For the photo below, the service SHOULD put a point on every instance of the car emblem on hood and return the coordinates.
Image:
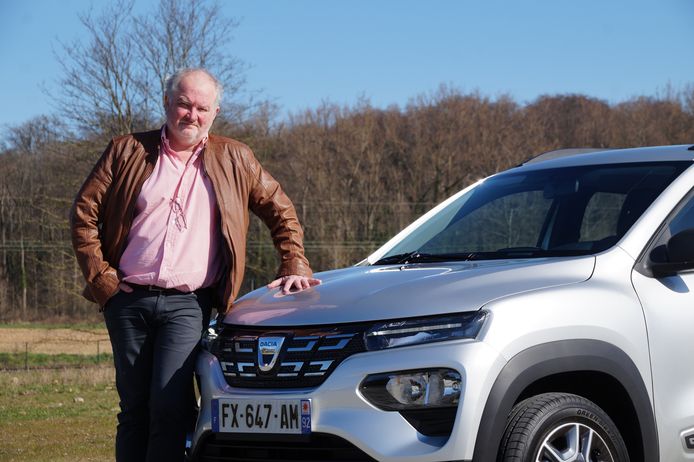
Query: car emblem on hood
(268, 351)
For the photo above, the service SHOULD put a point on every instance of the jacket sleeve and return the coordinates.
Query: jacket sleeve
(273, 206)
(85, 221)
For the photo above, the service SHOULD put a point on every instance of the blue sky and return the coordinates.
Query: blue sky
(303, 52)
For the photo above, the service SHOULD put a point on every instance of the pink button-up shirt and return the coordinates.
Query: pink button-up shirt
(174, 241)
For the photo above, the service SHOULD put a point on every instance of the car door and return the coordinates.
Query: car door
(668, 304)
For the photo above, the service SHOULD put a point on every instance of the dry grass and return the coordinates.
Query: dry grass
(91, 377)
(81, 341)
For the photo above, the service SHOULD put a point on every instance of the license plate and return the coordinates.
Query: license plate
(288, 416)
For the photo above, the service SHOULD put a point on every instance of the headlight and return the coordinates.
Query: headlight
(427, 388)
(426, 398)
(407, 332)
(209, 337)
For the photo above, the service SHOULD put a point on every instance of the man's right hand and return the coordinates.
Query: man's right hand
(125, 287)
(294, 283)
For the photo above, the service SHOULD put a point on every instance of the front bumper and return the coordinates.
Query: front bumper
(339, 409)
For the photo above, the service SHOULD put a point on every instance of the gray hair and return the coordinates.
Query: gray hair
(173, 81)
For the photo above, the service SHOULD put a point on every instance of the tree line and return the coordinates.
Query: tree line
(356, 174)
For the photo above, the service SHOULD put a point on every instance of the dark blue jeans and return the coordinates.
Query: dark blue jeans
(155, 338)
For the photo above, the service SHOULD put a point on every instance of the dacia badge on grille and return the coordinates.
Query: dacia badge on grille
(268, 351)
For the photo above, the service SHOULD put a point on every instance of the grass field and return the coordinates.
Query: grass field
(58, 415)
(51, 415)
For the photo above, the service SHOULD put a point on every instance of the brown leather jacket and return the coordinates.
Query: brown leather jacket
(103, 211)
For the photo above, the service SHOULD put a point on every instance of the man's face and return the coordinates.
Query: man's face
(190, 111)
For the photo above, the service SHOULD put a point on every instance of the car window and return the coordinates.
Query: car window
(540, 213)
(514, 220)
(684, 218)
(601, 216)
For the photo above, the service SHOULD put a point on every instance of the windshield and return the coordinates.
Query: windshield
(540, 213)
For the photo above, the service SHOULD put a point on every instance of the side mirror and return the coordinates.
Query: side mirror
(679, 252)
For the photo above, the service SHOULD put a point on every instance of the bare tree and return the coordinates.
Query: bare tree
(99, 90)
(112, 83)
(688, 99)
(35, 134)
(185, 34)
(357, 174)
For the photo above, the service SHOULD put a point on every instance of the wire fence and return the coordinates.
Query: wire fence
(54, 353)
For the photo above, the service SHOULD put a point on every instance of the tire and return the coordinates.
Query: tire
(560, 427)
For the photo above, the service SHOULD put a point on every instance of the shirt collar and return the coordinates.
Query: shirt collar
(166, 147)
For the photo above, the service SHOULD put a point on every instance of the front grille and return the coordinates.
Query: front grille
(320, 447)
(307, 356)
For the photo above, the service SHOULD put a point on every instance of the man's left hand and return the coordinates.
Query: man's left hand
(293, 283)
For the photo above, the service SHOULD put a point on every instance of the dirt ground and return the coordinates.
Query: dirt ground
(53, 341)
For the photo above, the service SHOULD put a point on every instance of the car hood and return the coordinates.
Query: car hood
(369, 293)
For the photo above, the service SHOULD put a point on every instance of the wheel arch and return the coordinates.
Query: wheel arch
(555, 366)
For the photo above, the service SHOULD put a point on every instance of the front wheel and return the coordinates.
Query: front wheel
(560, 427)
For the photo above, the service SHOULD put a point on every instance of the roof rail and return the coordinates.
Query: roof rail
(557, 153)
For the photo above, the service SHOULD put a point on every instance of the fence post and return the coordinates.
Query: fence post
(26, 356)
(98, 351)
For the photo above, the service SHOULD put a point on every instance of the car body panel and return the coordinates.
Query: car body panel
(672, 343)
(372, 293)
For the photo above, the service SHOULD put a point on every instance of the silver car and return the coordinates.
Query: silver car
(544, 313)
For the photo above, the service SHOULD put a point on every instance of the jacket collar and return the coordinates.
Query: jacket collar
(150, 141)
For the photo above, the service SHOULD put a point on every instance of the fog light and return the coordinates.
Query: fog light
(404, 390)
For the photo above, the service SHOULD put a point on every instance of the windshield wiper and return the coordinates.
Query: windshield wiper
(394, 259)
(500, 254)
(420, 257)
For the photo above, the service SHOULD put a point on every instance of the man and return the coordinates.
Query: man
(159, 229)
